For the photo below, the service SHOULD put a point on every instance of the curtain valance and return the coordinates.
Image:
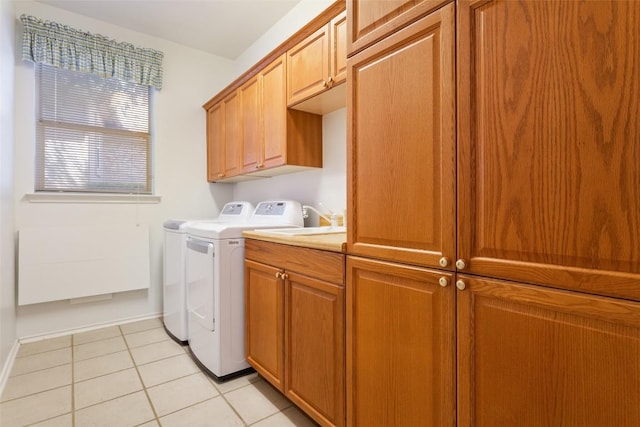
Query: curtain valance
(70, 49)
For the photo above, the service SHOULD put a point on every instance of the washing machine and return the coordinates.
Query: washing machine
(174, 273)
(215, 287)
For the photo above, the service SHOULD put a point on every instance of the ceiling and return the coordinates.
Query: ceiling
(222, 27)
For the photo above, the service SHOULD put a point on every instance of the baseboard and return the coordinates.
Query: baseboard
(33, 338)
(8, 364)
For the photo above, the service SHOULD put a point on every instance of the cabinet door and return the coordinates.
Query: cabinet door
(549, 143)
(533, 356)
(251, 125)
(274, 113)
(315, 348)
(215, 142)
(232, 135)
(264, 311)
(308, 66)
(400, 345)
(401, 145)
(372, 20)
(338, 48)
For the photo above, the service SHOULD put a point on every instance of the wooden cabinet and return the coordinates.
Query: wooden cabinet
(224, 137)
(519, 174)
(549, 143)
(400, 345)
(315, 347)
(264, 321)
(370, 21)
(261, 134)
(401, 145)
(318, 64)
(264, 119)
(295, 333)
(534, 356)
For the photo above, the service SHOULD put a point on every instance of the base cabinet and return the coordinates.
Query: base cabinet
(295, 325)
(533, 356)
(400, 345)
(264, 321)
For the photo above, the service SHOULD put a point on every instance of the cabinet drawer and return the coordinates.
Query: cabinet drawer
(323, 265)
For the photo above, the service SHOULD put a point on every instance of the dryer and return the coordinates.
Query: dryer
(174, 302)
(215, 286)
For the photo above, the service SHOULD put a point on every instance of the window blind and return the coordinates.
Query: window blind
(93, 134)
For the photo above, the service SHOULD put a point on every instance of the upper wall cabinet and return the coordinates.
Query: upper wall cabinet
(250, 131)
(259, 137)
(370, 21)
(224, 138)
(317, 66)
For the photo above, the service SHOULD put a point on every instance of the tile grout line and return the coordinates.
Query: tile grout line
(144, 386)
(73, 383)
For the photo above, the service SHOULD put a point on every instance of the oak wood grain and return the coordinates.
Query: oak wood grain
(315, 347)
(401, 145)
(549, 143)
(400, 345)
(372, 20)
(328, 266)
(533, 356)
(264, 321)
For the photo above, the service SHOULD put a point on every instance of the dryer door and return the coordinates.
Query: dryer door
(200, 280)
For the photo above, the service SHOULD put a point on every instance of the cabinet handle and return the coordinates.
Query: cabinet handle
(220, 175)
(444, 262)
(461, 264)
(443, 282)
(461, 285)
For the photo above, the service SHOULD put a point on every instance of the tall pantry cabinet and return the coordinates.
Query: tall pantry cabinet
(507, 189)
(401, 139)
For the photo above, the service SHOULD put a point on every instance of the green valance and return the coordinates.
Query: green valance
(70, 49)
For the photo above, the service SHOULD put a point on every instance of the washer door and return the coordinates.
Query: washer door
(200, 280)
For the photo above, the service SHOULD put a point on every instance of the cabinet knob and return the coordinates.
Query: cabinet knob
(444, 262)
(330, 80)
(278, 275)
(461, 264)
(220, 175)
(284, 276)
(443, 282)
(461, 285)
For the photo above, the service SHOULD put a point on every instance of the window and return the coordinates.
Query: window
(93, 133)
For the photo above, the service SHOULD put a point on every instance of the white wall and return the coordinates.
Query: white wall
(298, 17)
(327, 185)
(7, 241)
(191, 77)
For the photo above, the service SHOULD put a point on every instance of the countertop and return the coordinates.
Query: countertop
(336, 242)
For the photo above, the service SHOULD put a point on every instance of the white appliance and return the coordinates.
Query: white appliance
(174, 272)
(215, 286)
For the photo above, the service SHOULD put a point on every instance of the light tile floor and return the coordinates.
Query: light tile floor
(132, 375)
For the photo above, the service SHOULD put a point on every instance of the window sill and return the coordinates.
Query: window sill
(91, 198)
